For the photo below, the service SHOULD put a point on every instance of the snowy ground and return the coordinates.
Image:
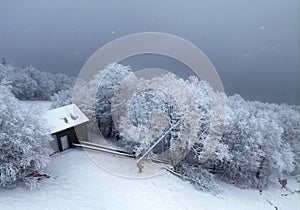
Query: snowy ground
(78, 183)
(40, 106)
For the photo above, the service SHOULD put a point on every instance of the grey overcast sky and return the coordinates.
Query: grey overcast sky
(253, 44)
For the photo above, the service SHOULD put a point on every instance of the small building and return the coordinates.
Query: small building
(68, 125)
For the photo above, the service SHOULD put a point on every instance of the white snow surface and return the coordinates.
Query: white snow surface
(65, 117)
(40, 106)
(77, 182)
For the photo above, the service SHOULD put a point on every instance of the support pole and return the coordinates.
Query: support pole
(168, 131)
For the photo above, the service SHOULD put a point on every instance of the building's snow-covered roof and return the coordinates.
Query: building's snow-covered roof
(65, 117)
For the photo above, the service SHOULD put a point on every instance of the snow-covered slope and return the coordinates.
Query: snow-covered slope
(78, 183)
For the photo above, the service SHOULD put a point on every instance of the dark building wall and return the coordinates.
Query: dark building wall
(74, 134)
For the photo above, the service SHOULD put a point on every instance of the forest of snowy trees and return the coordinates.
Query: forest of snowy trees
(24, 138)
(258, 142)
(24, 142)
(28, 83)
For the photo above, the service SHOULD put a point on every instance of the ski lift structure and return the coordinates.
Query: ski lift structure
(68, 126)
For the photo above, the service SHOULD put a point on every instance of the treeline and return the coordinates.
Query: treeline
(28, 83)
(257, 144)
(24, 136)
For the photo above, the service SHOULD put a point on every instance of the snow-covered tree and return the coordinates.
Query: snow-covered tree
(45, 82)
(211, 107)
(287, 118)
(94, 97)
(145, 109)
(62, 98)
(22, 85)
(63, 82)
(29, 83)
(84, 97)
(247, 145)
(4, 71)
(254, 140)
(24, 142)
(111, 78)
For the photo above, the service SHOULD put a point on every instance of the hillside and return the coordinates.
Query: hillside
(78, 183)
